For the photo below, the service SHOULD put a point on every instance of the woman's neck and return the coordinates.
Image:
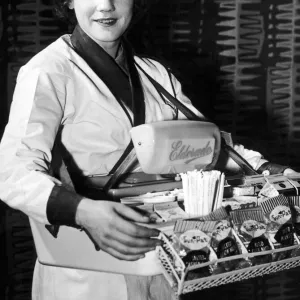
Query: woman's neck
(111, 48)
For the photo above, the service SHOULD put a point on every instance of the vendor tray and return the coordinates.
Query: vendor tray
(177, 279)
(72, 248)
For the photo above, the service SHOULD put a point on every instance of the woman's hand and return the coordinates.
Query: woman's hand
(291, 174)
(112, 227)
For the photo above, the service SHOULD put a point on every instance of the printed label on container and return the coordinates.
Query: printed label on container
(194, 239)
(221, 230)
(196, 257)
(280, 214)
(227, 247)
(253, 228)
(284, 235)
(259, 244)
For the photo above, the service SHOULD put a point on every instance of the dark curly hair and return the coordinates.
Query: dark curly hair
(63, 13)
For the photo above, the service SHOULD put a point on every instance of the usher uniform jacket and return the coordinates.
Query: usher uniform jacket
(59, 96)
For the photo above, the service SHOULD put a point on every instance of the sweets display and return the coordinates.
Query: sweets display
(240, 202)
(192, 240)
(251, 228)
(294, 202)
(225, 244)
(280, 229)
(202, 241)
(169, 211)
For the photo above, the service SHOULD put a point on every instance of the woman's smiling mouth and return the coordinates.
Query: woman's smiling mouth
(107, 21)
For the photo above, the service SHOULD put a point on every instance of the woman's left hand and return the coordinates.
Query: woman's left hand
(291, 174)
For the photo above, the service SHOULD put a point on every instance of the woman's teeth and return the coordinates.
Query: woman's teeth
(107, 21)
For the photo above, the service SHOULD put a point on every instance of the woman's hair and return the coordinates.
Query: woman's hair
(67, 15)
(63, 13)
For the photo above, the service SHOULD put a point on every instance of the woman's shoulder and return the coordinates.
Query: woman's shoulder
(55, 58)
(153, 65)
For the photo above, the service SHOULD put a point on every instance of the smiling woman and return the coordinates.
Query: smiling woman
(104, 21)
(83, 93)
(76, 102)
(63, 11)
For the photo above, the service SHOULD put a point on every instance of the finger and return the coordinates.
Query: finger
(292, 175)
(121, 256)
(131, 241)
(132, 214)
(140, 210)
(153, 217)
(125, 250)
(134, 230)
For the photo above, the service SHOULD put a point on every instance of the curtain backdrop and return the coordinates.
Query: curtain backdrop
(239, 62)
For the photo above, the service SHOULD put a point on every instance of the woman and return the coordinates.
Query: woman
(84, 93)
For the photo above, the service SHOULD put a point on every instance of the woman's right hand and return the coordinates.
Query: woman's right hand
(112, 226)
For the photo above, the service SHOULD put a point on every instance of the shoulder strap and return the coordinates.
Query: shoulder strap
(127, 160)
(186, 111)
(246, 167)
(129, 156)
(124, 88)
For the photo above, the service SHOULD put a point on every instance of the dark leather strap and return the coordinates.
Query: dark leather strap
(187, 112)
(137, 94)
(128, 159)
(129, 156)
(246, 167)
(126, 88)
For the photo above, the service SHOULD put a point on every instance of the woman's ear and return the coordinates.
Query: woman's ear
(71, 4)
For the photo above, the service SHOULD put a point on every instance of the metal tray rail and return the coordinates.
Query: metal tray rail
(175, 273)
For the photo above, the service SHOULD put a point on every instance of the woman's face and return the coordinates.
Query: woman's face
(103, 20)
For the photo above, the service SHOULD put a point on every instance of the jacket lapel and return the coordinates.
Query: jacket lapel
(126, 88)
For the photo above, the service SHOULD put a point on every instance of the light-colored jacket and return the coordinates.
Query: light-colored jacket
(57, 89)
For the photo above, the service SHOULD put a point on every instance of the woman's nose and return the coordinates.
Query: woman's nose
(105, 5)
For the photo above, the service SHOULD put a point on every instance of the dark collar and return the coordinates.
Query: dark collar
(124, 85)
(95, 53)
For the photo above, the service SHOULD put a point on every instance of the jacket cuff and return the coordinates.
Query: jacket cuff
(62, 206)
(272, 168)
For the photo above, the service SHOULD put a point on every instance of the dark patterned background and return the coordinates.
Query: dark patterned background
(239, 62)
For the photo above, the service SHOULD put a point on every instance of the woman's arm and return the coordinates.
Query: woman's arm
(25, 151)
(25, 184)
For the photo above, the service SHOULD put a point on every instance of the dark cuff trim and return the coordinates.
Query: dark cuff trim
(62, 206)
(272, 168)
